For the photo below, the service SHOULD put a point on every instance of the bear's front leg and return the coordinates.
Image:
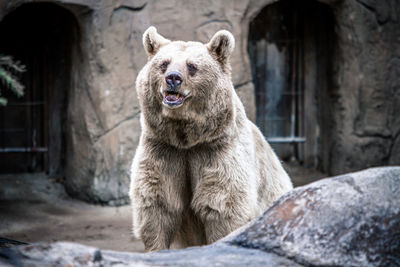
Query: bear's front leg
(157, 205)
(154, 223)
(223, 204)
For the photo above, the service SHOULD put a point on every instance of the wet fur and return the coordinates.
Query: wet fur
(201, 170)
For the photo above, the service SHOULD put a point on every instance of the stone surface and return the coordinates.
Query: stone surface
(71, 254)
(349, 220)
(103, 112)
(366, 95)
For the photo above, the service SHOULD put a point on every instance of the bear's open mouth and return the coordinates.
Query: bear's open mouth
(172, 98)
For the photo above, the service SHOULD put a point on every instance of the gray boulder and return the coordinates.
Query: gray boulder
(348, 220)
(62, 254)
(352, 219)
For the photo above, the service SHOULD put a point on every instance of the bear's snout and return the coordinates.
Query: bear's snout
(174, 79)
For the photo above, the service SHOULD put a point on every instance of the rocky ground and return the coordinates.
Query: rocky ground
(35, 208)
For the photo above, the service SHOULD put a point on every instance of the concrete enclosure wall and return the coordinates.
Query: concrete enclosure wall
(102, 123)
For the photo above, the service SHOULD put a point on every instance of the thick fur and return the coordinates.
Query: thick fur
(203, 169)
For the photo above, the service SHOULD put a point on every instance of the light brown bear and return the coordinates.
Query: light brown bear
(201, 169)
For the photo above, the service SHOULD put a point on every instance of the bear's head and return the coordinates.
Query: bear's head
(185, 89)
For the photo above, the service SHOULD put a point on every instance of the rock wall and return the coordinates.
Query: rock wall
(366, 94)
(103, 112)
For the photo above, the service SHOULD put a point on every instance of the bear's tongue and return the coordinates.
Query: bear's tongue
(171, 97)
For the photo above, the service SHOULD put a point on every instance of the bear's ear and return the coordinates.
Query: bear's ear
(152, 41)
(221, 45)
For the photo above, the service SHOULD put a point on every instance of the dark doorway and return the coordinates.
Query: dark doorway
(290, 47)
(42, 37)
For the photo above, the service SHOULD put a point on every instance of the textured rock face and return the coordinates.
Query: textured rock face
(349, 220)
(366, 92)
(70, 254)
(102, 130)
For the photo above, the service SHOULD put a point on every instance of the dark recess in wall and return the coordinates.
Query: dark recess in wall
(41, 36)
(291, 47)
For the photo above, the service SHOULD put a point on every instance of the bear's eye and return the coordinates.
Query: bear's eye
(164, 65)
(191, 68)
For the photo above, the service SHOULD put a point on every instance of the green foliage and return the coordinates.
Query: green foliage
(8, 69)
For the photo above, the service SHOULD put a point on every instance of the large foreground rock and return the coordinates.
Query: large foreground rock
(71, 254)
(353, 219)
(348, 220)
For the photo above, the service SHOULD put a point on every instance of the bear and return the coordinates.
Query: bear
(201, 169)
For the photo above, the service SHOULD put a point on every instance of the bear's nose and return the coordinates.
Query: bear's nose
(174, 79)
